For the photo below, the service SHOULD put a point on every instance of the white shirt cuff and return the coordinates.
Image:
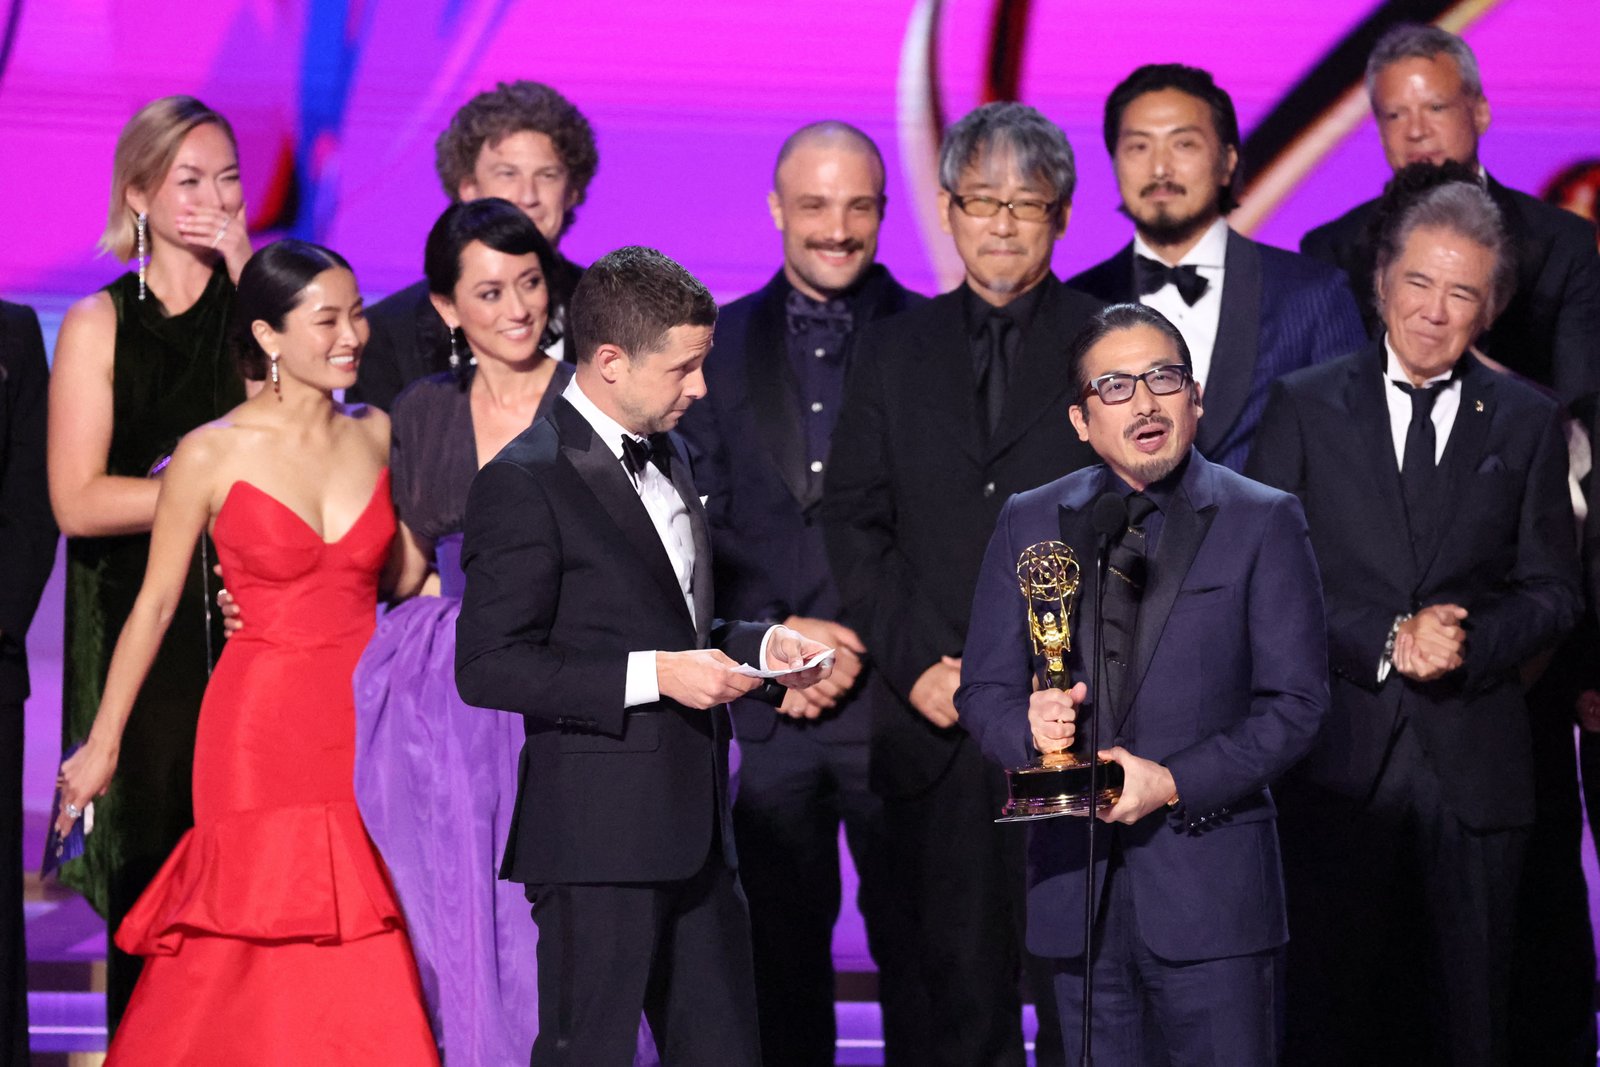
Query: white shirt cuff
(765, 639)
(642, 686)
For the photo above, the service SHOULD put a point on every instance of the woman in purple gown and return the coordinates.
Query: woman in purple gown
(435, 779)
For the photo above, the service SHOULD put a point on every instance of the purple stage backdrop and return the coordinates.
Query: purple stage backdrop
(337, 103)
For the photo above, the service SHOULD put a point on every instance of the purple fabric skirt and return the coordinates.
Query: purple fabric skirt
(436, 782)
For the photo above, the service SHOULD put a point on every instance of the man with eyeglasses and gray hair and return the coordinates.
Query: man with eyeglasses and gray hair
(949, 409)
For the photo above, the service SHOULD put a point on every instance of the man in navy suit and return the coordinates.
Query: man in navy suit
(761, 441)
(1216, 682)
(1248, 312)
(1441, 521)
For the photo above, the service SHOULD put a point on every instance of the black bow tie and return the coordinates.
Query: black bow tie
(803, 313)
(1152, 274)
(656, 449)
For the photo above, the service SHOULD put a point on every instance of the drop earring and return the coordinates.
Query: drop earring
(455, 352)
(277, 387)
(143, 250)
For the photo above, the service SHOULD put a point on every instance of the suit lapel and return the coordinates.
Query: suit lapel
(1373, 438)
(603, 473)
(1077, 533)
(774, 393)
(700, 583)
(1040, 379)
(1233, 358)
(1183, 530)
(1462, 452)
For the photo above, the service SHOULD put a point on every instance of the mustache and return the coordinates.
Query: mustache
(1164, 187)
(1134, 428)
(847, 246)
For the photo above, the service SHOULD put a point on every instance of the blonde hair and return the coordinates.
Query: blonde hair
(145, 150)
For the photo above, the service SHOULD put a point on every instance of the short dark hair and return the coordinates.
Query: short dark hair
(1191, 81)
(1443, 196)
(271, 285)
(632, 298)
(1112, 319)
(1039, 147)
(492, 221)
(510, 108)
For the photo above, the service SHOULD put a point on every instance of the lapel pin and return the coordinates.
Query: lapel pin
(1477, 405)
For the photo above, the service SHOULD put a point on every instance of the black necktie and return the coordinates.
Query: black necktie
(1417, 466)
(993, 367)
(1126, 569)
(1151, 275)
(656, 449)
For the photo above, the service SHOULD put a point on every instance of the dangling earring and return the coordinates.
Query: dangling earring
(144, 259)
(455, 352)
(277, 387)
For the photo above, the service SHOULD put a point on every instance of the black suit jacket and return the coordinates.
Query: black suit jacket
(410, 341)
(912, 493)
(1550, 332)
(566, 575)
(1280, 312)
(1506, 554)
(27, 527)
(747, 438)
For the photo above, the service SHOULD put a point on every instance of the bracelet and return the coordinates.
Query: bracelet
(1386, 662)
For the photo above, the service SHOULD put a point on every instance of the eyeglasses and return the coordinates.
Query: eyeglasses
(987, 207)
(1119, 388)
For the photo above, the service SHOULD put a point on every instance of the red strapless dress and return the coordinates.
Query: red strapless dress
(272, 935)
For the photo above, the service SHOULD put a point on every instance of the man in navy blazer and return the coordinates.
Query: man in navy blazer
(761, 440)
(1223, 687)
(1439, 511)
(1248, 312)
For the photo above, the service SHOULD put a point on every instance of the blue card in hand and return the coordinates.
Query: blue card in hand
(58, 849)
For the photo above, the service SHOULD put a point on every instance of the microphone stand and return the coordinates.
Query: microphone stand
(1110, 514)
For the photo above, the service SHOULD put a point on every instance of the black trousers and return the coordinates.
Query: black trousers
(1400, 924)
(1553, 964)
(795, 789)
(678, 951)
(964, 876)
(13, 947)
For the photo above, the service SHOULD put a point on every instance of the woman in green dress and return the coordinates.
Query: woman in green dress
(139, 364)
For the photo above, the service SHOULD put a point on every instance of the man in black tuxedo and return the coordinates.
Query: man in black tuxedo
(1428, 100)
(523, 142)
(1427, 97)
(1437, 498)
(950, 408)
(588, 609)
(1249, 313)
(27, 552)
(760, 442)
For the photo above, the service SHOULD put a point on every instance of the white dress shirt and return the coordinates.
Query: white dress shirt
(668, 514)
(1444, 411)
(1198, 324)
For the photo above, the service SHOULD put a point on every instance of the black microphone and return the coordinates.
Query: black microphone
(1108, 516)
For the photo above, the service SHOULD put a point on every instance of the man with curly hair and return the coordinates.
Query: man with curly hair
(521, 141)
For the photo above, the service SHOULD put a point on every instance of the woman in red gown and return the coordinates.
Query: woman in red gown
(271, 935)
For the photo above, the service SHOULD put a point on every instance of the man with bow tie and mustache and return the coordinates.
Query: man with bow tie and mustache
(761, 439)
(1248, 312)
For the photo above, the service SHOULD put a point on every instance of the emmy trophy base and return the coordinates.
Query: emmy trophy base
(1050, 787)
